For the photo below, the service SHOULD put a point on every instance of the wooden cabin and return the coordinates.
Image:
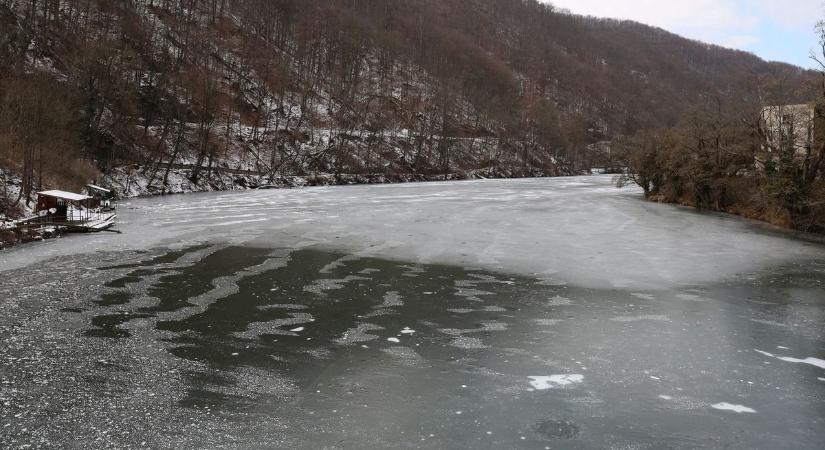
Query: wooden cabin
(64, 206)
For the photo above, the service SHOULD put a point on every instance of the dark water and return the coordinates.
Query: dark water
(235, 346)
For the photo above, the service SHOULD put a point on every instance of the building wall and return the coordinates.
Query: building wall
(790, 125)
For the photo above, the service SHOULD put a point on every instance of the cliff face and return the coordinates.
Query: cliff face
(305, 87)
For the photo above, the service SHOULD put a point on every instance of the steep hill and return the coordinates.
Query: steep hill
(167, 95)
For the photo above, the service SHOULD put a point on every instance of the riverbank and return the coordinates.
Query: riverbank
(139, 181)
(773, 216)
(11, 236)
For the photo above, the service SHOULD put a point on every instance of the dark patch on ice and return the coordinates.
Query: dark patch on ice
(557, 429)
(114, 298)
(108, 326)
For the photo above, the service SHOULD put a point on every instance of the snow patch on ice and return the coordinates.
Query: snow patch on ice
(321, 286)
(494, 308)
(467, 343)
(810, 360)
(359, 334)
(553, 381)
(559, 301)
(739, 409)
(691, 297)
(274, 327)
(547, 322)
(641, 318)
(392, 299)
(406, 356)
(282, 306)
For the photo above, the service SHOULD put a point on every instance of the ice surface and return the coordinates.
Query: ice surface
(467, 343)
(553, 381)
(359, 334)
(739, 409)
(577, 230)
(392, 299)
(559, 301)
(406, 356)
(547, 322)
(810, 360)
(654, 317)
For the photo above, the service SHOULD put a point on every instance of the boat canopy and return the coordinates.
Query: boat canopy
(98, 188)
(63, 195)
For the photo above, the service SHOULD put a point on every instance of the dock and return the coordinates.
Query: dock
(95, 224)
(71, 213)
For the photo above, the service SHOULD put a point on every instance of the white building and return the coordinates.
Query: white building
(789, 128)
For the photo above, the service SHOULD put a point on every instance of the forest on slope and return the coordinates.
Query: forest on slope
(141, 89)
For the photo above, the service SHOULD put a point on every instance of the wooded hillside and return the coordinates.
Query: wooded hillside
(299, 87)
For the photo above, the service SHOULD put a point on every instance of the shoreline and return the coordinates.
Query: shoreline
(12, 237)
(767, 221)
(133, 181)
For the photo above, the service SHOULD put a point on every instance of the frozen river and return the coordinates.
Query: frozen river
(543, 313)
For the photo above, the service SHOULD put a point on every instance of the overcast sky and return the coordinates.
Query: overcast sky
(777, 30)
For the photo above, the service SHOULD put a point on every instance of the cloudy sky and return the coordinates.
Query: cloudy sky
(777, 30)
